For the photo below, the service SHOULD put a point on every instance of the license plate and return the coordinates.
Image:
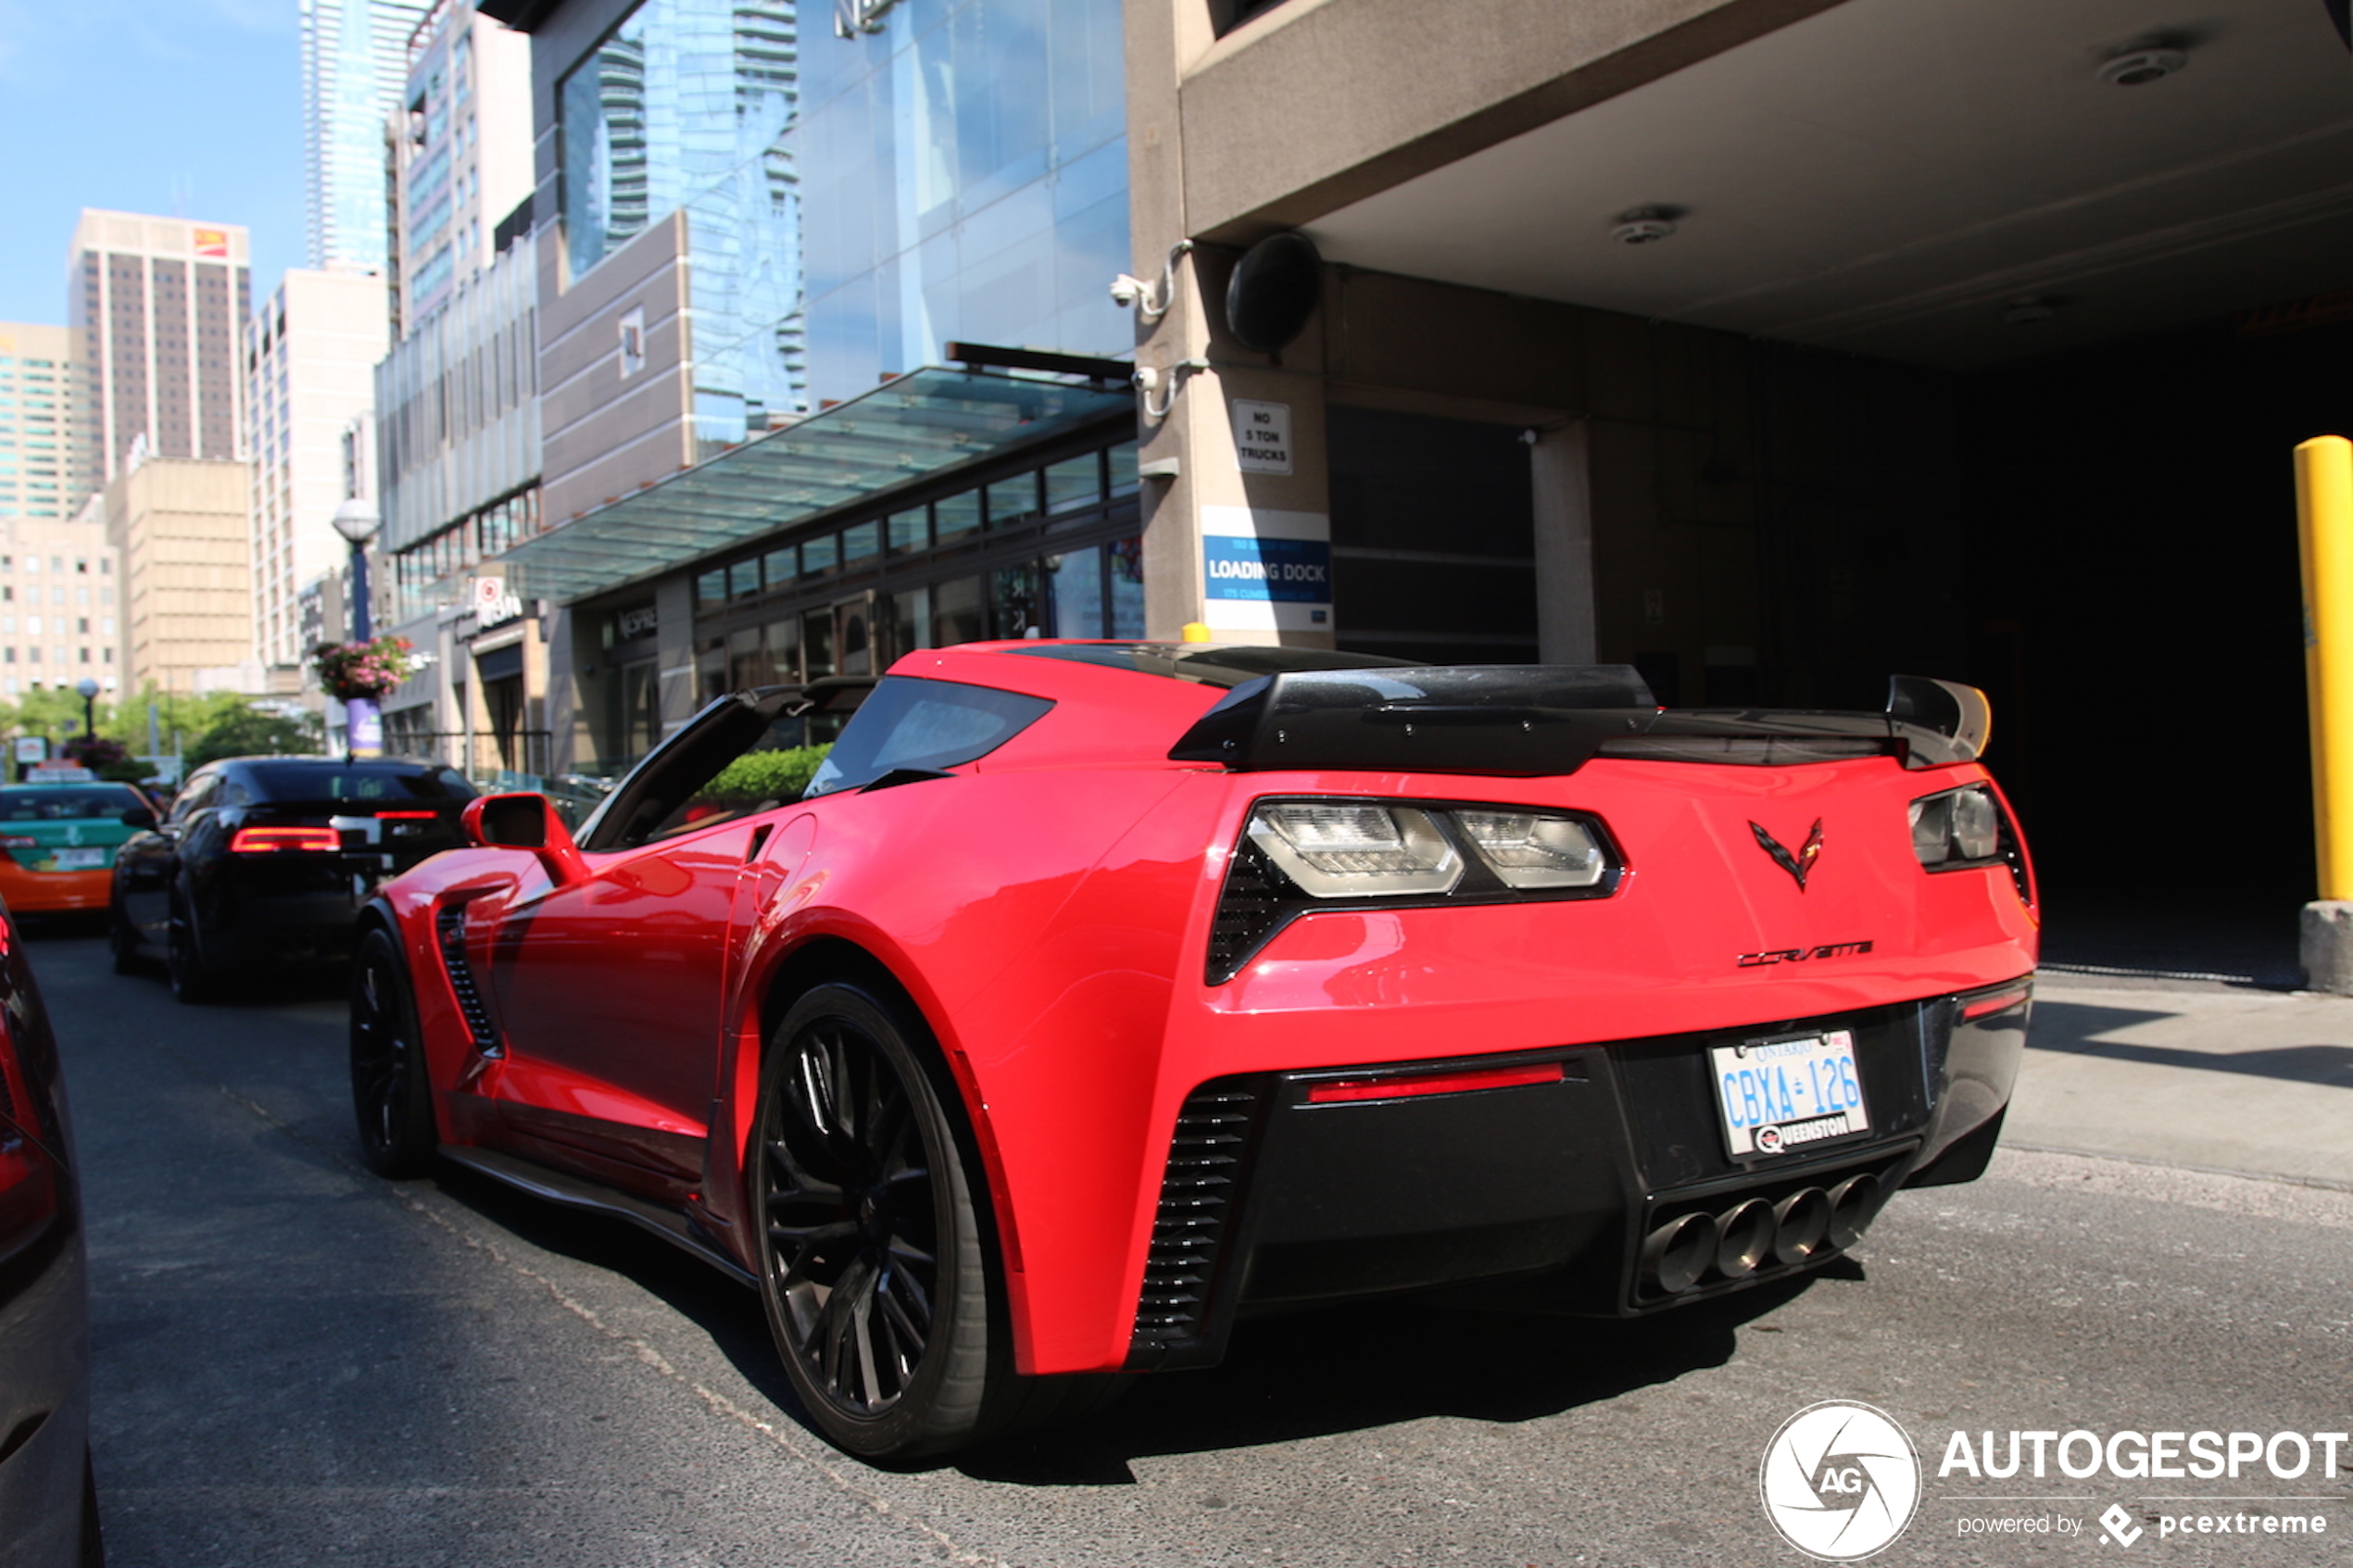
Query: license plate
(1779, 1096)
(79, 860)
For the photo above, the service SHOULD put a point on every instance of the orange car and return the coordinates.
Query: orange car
(59, 842)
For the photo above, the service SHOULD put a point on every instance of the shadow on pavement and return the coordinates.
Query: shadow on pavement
(1304, 1375)
(2073, 1028)
(1349, 1369)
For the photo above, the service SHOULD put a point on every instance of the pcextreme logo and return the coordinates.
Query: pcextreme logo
(1840, 1481)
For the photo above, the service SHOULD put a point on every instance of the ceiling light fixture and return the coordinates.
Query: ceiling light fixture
(2137, 68)
(1644, 225)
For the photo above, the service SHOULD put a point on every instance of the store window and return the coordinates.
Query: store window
(1012, 499)
(956, 614)
(956, 518)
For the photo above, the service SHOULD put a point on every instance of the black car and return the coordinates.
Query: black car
(48, 1506)
(267, 860)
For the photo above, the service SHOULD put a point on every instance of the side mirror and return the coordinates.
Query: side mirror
(525, 821)
(139, 817)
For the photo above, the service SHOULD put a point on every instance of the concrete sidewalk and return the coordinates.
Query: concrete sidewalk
(2178, 1070)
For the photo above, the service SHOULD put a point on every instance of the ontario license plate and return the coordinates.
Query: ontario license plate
(79, 860)
(1777, 1096)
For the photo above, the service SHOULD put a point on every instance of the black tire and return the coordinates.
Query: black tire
(391, 1096)
(193, 979)
(123, 941)
(875, 1268)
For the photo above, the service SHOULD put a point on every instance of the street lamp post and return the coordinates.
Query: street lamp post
(356, 520)
(89, 690)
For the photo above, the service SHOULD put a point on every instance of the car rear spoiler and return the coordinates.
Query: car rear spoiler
(1533, 719)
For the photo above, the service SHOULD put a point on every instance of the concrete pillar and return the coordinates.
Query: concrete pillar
(1218, 513)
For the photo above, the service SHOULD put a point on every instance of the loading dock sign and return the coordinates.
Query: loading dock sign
(1261, 436)
(1286, 571)
(1266, 570)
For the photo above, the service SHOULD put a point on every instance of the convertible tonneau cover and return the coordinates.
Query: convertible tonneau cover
(1530, 719)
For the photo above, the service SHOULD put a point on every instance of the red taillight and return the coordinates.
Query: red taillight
(405, 816)
(270, 841)
(28, 1188)
(1999, 1002)
(1404, 1083)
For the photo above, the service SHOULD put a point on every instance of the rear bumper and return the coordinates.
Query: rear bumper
(280, 927)
(1569, 1185)
(30, 892)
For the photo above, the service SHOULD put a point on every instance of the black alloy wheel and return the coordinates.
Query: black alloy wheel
(192, 978)
(872, 1265)
(390, 1095)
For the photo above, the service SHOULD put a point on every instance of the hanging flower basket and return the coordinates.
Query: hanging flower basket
(353, 671)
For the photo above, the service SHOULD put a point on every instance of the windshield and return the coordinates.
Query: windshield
(39, 805)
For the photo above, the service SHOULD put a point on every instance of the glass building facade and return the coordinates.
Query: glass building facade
(853, 204)
(354, 58)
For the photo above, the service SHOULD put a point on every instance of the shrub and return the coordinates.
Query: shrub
(765, 775)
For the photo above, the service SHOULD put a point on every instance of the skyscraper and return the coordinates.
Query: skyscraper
(354, 59)
(44, 449)
(156, 303)
(311, 351)
(461, 153)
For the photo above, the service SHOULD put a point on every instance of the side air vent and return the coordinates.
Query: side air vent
(1207, 1156)
(1249, 907)
(449, 931)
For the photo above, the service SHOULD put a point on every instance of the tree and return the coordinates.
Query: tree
(248, 731)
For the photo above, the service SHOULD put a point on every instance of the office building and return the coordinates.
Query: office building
(310, 353)
(58, 609)
(180, 528)
(44, 453)
(355, 61)
(458, 438)
(1769, 347)
(156, 306)
(460, 155)
(756, 237)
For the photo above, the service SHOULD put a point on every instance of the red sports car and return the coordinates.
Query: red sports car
(1094, 996)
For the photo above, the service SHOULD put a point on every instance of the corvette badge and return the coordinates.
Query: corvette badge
(1797, 865)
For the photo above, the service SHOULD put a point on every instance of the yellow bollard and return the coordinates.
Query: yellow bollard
(2324, 522)
(1197, 632)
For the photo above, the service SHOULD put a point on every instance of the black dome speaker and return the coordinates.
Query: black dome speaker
(1272, 291)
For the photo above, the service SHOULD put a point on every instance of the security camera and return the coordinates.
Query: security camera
(1125, 291)
(1147, 378)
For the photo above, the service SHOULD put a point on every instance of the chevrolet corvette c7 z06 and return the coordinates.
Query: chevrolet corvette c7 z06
(1092, 997)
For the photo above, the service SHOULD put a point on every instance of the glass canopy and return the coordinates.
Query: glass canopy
(924, 422)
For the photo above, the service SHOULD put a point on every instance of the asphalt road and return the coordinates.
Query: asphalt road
(300, 1364)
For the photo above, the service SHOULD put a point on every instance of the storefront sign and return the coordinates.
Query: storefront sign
(1266, 570)
(1261, 436)
(638, 620)
(1292, 571)
(493, 604)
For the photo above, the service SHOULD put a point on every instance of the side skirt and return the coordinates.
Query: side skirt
(576, 1192)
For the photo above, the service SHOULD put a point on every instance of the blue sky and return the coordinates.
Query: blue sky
(176, 106)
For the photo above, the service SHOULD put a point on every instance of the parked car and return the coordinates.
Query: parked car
(60, 841)
(48, 1501)
(1096, 995)
(267, 860)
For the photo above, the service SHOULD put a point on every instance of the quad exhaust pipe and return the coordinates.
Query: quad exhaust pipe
(1801, 1227)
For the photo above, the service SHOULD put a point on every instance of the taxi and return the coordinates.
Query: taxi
(58, 838)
